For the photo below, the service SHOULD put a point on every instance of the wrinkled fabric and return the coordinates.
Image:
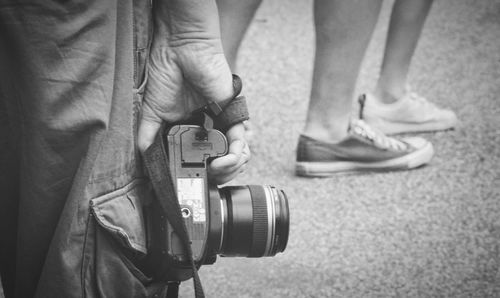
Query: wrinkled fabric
(71, 77)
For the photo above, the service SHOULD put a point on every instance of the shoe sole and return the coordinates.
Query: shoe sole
(392, 128)
(406, 162)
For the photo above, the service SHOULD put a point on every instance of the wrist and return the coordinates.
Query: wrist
(225, 92)
(186, 20)
(217, 106)
(230, 112)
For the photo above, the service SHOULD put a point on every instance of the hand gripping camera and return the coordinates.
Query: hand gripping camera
(232, 221)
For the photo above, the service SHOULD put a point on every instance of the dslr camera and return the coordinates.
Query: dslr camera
(231, 221)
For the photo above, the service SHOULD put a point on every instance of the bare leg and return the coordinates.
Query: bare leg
(407, 20)
(235, 17)
(343, 31)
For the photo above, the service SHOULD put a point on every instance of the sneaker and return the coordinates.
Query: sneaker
(365, 149)
(412, 113)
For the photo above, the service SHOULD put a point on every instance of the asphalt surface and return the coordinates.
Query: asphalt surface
(430, 232)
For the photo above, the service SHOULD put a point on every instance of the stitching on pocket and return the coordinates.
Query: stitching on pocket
(121, 214)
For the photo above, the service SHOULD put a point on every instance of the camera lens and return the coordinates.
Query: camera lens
(255, 221)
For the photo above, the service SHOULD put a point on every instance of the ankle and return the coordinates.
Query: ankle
(328, 133)
(388, 95)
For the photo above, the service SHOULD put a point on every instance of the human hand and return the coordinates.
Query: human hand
(187, 67)
(227, 167)
(180, 81)
(158, 109)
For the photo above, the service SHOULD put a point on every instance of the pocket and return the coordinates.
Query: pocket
(116, 244)
(121, 214)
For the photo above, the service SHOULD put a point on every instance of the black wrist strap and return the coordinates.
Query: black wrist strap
(215, 108)
(231, 111)
(157, 167)
(235, 112)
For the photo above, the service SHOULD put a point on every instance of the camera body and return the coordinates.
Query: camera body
(246, 220)
(190, 148)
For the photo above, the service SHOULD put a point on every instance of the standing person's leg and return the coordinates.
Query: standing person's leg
(343, 31)
(332, 140)
(408, 112)
(235, 17)
(407, 20)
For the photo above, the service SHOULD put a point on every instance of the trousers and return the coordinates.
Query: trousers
(72, 188)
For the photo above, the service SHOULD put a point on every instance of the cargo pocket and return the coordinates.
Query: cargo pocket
(116, 245)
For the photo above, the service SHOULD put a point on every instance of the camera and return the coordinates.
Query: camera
(231, 221)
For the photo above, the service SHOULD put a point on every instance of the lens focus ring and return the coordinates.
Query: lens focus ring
(257, 221)
(260, 221)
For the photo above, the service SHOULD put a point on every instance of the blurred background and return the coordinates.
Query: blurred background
(430, 232)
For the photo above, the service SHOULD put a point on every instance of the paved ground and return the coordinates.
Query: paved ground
(434, 231)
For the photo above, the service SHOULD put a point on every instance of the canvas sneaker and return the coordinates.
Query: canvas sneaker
(365, 149)
(412, 113)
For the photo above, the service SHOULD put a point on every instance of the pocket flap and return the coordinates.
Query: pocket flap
(121, 213)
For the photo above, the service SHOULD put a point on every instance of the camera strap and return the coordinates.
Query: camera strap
(157, 167)
(230, 111)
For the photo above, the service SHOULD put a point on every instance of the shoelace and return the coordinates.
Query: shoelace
(364, 130)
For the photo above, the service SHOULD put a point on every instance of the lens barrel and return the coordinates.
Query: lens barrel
(255, 221)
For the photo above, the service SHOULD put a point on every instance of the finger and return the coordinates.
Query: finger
(231, 164)
(236, 148)
(232, 158)
(217, 171)
(147, 133)
(236, 132)
(228, 176)
(246, 152)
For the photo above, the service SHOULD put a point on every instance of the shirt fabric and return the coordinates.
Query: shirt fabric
(71, 183)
